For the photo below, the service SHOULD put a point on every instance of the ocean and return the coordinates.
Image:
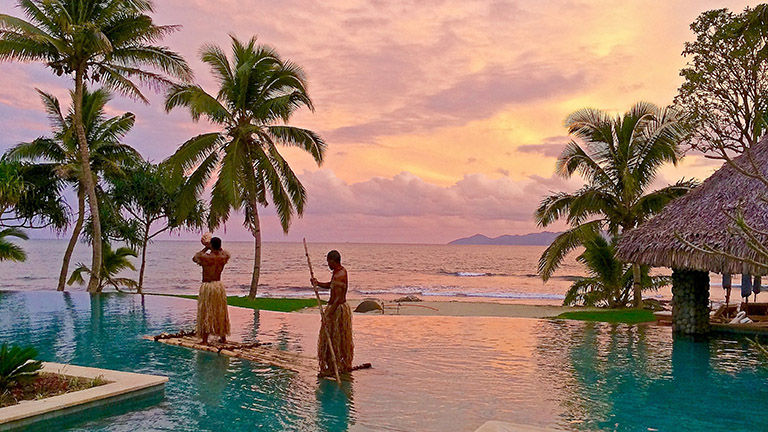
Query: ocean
(387, 271)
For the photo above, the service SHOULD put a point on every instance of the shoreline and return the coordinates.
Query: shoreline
(457, 308)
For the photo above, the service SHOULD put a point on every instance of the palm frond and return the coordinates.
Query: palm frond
(304, 139)
(566, 242)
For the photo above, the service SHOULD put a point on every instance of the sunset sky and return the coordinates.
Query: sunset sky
(443, 118)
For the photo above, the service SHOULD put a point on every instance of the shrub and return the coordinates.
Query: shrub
(17, 364)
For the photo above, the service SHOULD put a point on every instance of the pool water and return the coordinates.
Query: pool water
(430, 373)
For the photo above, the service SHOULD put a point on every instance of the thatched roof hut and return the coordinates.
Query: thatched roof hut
(701, 218)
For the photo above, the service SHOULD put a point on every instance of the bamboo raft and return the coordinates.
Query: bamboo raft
(256, 352)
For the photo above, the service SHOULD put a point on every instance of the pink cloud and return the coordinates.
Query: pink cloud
(386, 70)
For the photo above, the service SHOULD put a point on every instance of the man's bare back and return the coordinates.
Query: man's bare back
(213, 262)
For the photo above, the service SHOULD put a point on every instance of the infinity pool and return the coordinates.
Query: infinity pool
(430, 373)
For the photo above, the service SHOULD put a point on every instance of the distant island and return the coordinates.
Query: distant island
(533, 239)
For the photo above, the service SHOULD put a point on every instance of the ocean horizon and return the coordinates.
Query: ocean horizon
(493, 273)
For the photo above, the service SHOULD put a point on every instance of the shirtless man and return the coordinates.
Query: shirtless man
(337, 320)
(212, 314)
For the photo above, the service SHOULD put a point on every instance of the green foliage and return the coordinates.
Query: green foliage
(271, 304)
(258, 92)
(609, 283)
(116, 227)
(108, 155)
(108, 41)
(30, 196)
(724, 95)
(618, 157)
(10, 251)
(12, 186)
(17, 364)
(150, 193)
(113, 262)
(754, 29)
(627, 316)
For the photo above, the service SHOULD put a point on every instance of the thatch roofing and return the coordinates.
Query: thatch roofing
(701, 218)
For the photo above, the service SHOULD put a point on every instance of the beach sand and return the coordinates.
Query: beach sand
(464, 309)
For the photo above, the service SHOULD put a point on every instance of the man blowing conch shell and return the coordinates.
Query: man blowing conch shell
(212, 314)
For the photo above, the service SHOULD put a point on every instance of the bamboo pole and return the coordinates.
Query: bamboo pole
(322, 316)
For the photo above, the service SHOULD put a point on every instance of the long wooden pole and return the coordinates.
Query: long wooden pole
(322, 316)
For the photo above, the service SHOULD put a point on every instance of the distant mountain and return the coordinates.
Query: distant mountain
(533, 239)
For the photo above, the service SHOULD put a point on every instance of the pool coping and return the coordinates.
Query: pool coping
(120, 386)
(499, 426)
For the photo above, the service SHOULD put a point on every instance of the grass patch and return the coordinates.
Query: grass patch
(627, 316)
(270, 304)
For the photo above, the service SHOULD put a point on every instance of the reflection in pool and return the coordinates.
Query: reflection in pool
(430, 373)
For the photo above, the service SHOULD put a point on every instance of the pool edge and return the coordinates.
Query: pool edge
(121, 386)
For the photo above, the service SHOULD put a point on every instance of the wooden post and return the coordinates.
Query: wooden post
(322, 317)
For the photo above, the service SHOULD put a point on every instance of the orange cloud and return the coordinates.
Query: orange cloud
(448, 91)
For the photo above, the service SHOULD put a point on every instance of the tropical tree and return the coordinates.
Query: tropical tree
(10, 251)
(724, 94)
(618, 157)
(60, 152)
(29, 198)
(112, 41)
(258, 93)
(114, 262)
(610, 281)
(150, 194)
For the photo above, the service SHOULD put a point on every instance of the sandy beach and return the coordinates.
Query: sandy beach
(464, 309)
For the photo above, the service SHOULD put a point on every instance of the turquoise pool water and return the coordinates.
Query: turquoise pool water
(431, 373)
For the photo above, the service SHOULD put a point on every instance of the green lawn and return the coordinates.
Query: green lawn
(628, 316)
(271, 304)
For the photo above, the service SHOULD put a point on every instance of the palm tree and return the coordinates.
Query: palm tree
(8, 250)
(258, 93)
(60, 152)
(97, 40)
(618, 157)
(610, 282)
(114, 262)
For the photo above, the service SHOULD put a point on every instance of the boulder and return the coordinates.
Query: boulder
(368, 306)
(408, 298)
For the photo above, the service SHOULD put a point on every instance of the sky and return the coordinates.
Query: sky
(443, 118)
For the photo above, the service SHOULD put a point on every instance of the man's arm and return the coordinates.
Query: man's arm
(198, 258)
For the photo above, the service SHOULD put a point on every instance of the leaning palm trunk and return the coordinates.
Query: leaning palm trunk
(637, 285)
(256, 231)
(87, 181)
(73, 240)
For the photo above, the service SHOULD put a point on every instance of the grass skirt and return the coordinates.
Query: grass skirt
(339, 326)
(212, 314)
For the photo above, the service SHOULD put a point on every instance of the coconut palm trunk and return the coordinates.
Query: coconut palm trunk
(73, 240)
(637, 285)
(256, 231)
(87, 181)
